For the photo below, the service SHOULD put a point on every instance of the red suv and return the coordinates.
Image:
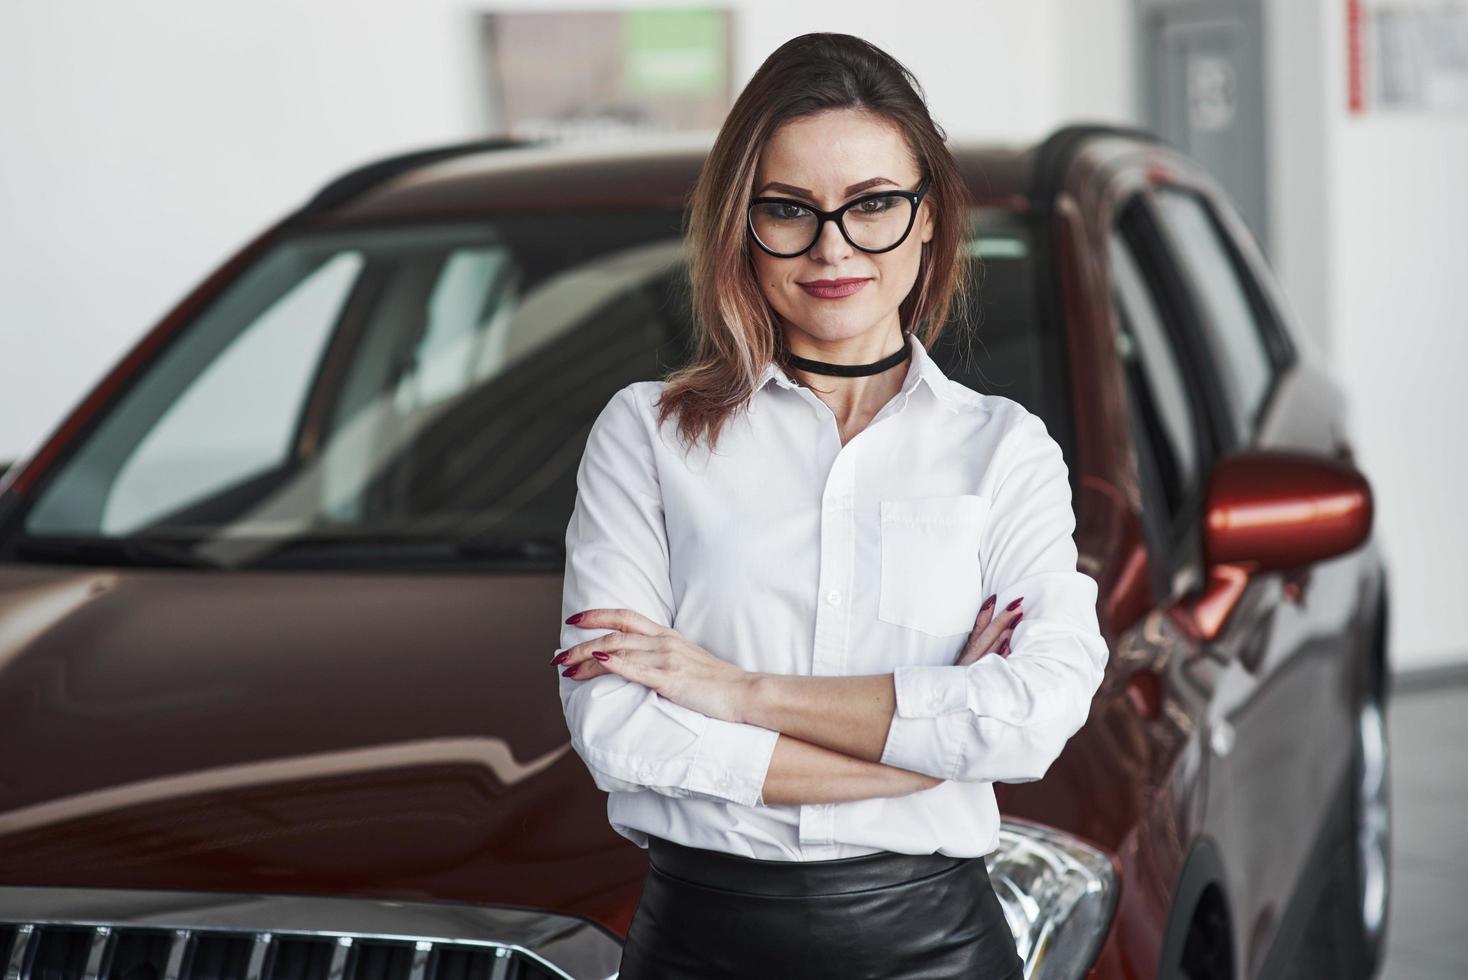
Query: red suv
(277, 597)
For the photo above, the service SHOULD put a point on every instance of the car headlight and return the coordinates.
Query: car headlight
(1059, 895)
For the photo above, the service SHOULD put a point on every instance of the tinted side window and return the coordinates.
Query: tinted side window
(1163, 414)
(1231, 324)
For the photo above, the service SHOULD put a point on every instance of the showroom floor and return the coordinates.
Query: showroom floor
(1428, 733)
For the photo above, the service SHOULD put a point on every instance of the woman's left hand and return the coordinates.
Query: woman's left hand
(658, 657)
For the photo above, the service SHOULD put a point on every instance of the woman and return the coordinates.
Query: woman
(809, 755)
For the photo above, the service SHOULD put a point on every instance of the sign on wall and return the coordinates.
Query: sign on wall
(1407, 55)
(558, 74)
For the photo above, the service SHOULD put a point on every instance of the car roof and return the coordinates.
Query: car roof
(494, 177)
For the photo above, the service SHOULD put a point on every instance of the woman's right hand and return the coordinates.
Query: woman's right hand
(991, 632)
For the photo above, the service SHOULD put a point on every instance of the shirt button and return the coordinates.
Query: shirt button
(833, 597)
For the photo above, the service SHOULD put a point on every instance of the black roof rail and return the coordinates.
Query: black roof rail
(1052, 155)
(354, 182)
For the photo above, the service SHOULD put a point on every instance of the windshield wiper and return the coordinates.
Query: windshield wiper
(308, 552)
(313, 551)
(133, 552)
(495, 546)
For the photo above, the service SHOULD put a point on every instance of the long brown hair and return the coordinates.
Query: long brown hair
(735, 332)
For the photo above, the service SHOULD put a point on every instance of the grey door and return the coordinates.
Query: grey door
(1203, 82)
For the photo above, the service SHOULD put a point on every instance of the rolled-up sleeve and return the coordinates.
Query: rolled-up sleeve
(1006, 718)
(630, 737)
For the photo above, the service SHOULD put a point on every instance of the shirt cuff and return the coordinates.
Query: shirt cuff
(731, 761)
(931, 722)
(991, 687)
(929, 690)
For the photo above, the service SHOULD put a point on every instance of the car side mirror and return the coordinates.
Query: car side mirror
(1274, 510)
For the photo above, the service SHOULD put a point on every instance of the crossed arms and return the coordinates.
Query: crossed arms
(802, 739)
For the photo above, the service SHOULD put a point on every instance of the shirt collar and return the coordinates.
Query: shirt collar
(922, 369)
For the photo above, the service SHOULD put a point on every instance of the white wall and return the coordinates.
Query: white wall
(143, 142)
(1398, 206)
(1097, 67)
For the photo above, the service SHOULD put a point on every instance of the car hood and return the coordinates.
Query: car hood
(365, 734)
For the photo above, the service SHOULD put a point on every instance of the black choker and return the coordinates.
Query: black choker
(854, 370)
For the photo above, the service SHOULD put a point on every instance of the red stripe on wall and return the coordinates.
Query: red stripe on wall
(1355, 94)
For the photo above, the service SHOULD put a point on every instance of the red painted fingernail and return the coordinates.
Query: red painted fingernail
(601, 655)
(570, 671)
(573, 620)
(1015, 603)
(1004, 648)
(1015, 621)
(560, 658)
(988, 602)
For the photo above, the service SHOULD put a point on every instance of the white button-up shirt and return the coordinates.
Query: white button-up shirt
(786, 552)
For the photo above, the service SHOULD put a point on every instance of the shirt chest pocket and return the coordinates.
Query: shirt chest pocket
(930, 578)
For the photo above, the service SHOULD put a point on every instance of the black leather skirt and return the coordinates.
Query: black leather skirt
(706, 914)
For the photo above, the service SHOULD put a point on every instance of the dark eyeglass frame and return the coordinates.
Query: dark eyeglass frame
(916, 197)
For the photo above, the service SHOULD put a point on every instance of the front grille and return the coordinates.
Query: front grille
(100, 934)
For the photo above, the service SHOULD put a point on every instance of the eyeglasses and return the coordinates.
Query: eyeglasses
(881, 222)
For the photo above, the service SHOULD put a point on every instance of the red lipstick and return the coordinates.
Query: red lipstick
(833, 288)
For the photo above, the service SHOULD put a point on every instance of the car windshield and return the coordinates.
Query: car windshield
(422, 395)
